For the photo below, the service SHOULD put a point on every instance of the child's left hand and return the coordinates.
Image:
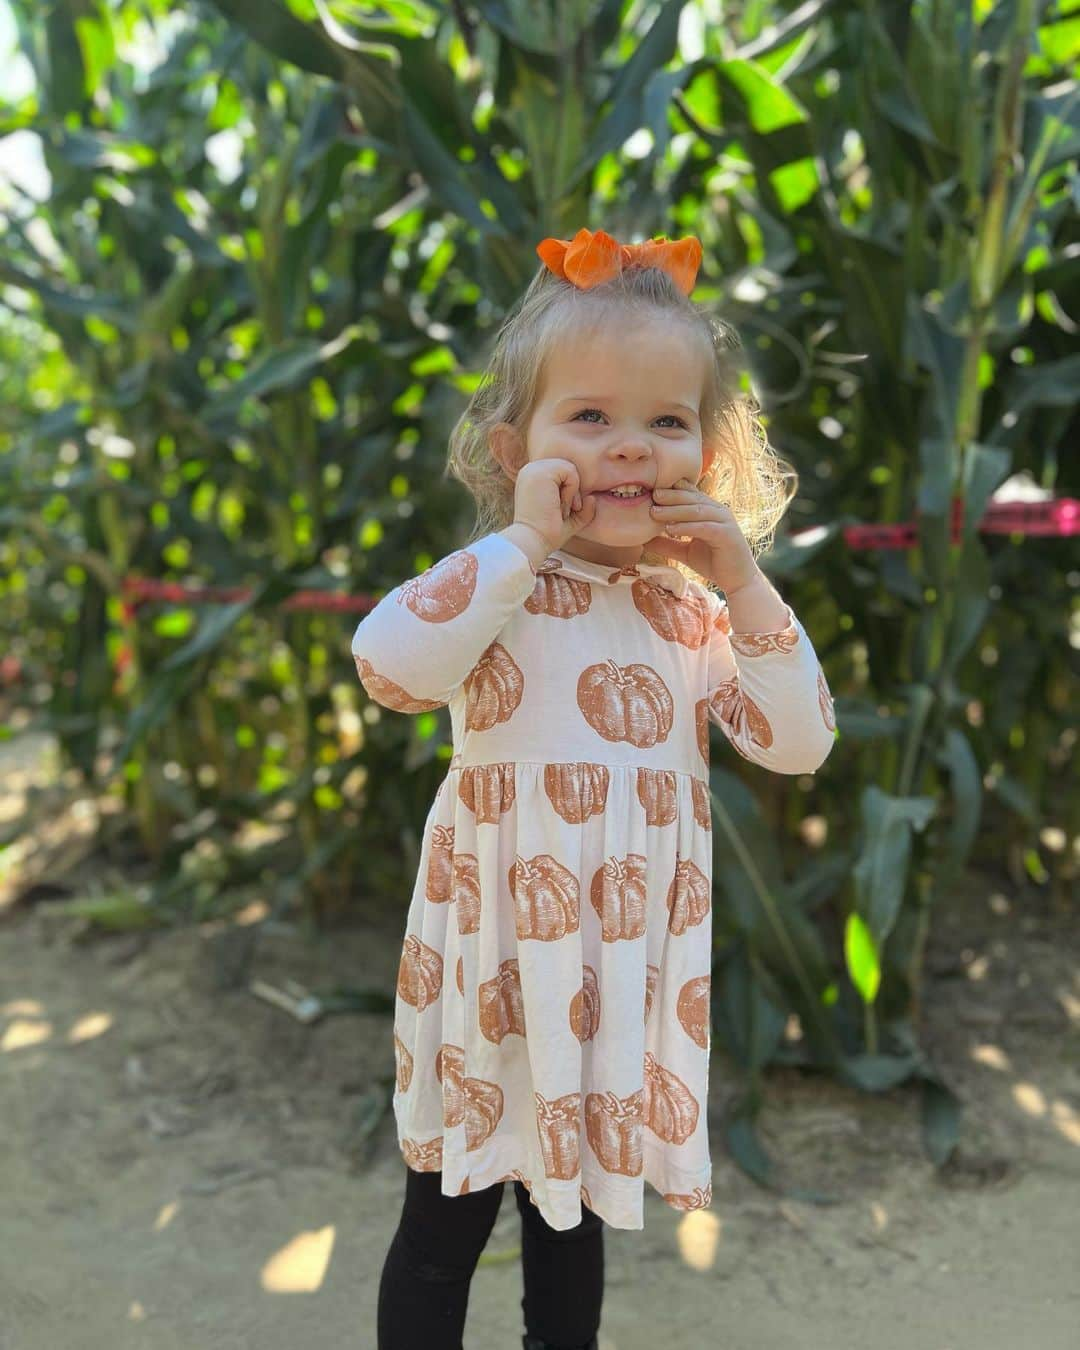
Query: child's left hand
(717, 548)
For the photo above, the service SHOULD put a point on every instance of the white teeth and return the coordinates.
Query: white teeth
(624, 492)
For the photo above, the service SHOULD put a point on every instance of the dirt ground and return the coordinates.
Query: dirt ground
(181, 1165)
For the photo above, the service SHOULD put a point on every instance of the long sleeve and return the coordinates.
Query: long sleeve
(415, 648)
(768, 694)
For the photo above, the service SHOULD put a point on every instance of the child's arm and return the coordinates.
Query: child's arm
(421, 640)
(768, 695)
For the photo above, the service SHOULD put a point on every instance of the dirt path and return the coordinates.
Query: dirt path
(180, 1164)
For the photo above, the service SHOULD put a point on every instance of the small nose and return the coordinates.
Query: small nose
(631, 449)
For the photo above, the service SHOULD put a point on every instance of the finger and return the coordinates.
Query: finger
(567, 476)
(585, 517)
(691, 511)
(712, 531)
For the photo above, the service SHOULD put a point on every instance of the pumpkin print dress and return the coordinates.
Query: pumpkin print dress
(552, 1006)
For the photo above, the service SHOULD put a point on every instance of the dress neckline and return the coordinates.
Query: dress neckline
(665, 575)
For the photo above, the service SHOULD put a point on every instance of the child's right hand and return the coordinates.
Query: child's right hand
(547, 497)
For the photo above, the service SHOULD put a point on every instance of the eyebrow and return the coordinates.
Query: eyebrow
(600, 398)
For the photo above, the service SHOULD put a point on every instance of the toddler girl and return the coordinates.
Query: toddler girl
(552, 1019)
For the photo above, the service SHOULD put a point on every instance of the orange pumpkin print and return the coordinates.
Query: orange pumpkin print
(585, 1007)
(419, 973)
(702, 805)
(657, 791)
(444, 590)
(825, 701)
(692, 1009)
(620, 572)
(723, 619)
(671, 1109)
(734, 707)
(383, 690)
(493, 689)
(465, 892)
(483, 1110)
(699, 1198)
(617, 893)
(423, 1157)
(688, 898)
(757, 644)
(652, 974)
(546, 896)
(403, 1065)
(685, 619)
(501, 1011)
(563, 597)
(614, 1129)
(558, 1125)
(701, 728)
(449, 1068)
(460, 978)
(626, 703)
(577, 791)
(487, 790)
(440, 863)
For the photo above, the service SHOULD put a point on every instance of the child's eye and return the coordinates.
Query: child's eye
(672, 416)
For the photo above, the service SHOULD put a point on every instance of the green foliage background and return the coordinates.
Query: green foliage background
(246, 377)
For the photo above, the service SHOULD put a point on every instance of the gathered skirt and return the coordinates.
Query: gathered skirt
(552, 1007)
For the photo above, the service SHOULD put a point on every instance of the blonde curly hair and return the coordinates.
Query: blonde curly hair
(745, 474)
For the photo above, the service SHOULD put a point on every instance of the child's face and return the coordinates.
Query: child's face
(623, 408)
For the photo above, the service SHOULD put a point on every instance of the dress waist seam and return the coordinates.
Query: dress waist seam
(456, 765)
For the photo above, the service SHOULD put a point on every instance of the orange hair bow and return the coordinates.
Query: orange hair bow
(594, 256)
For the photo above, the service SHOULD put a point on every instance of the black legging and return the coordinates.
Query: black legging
(424, 1290)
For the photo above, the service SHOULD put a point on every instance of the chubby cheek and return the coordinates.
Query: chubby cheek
(689, 465)
(556, 447)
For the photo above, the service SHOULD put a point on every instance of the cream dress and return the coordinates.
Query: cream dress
(552, 1010)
